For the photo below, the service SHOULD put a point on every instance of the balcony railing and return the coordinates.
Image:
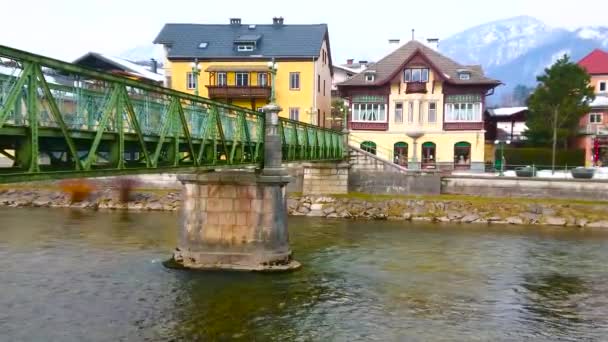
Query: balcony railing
(462, 126)
(596, 129)
(415, 87)
(239, 92)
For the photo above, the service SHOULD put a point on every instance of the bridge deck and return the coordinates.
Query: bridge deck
(60, 120)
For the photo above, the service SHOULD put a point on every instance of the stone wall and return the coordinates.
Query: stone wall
(522, 187)
(386, 182)
(325, 178)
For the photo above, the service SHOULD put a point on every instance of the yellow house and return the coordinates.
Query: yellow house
(230, 63)
(420, 109)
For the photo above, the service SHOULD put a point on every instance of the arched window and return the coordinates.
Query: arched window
(400, 153)
(462, 155)
(369, 146)
(429, 155)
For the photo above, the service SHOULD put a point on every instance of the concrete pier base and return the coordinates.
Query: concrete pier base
(234, 220)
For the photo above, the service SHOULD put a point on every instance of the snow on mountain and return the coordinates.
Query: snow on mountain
(516, 50)
(144, 53)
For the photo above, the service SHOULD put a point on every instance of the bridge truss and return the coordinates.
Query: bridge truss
(60, 120)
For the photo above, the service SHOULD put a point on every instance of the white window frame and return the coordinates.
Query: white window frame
(421, 112)
(236, 79)
(599, 86)
(398, 118)
(244, 47)
(190, 80)
(263, 76)
(369, 111)
(370, 77)
(596, 115)
(463, 112)
(294, 77)
(294, 113)
(434, 111)
(464, 76)
(222, 81)
(410, 112)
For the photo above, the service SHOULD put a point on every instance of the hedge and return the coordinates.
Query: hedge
(542, 156)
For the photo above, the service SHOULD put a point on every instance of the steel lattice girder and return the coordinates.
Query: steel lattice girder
(63, 120)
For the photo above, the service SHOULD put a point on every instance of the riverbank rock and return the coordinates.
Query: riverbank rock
(514, 220)
(469, 218)
(598, 224)
(555, 221)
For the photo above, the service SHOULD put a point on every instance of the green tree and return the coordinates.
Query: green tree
(338, 111)
(559, 101)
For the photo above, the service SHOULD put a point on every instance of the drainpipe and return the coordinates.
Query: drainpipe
(314, 91)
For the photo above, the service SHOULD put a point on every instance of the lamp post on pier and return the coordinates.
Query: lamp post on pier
(196, 71)
(272, 68)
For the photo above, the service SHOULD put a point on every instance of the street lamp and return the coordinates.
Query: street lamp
(196, 71)
(272, 68)
(501, 145)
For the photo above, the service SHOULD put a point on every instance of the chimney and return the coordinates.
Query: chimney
(433, 43)
(350, 61)
(154, 65)
(235, 21)
(393, 41)
(277, 21)
(363, 63)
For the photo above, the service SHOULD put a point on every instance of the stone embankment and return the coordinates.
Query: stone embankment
(453, 209)
(477, 210)
(103, 199)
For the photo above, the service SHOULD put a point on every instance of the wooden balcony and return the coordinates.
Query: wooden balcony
(235, 92)
(462, 126)
(416, 88)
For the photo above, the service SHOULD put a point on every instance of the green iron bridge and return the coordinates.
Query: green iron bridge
(60, 120)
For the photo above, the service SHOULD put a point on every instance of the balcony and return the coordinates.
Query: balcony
(462, 126)
(234, 92)
(415, 88)
(594, 129)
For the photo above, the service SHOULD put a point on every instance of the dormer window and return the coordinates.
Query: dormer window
(416, 75)
(464, 74)
(244, 47)
(370, 75)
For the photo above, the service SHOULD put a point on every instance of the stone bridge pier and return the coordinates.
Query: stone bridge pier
(237, 220)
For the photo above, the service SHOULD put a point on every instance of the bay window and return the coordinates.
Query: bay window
(416, 75)
(369, 109)
(463, 108)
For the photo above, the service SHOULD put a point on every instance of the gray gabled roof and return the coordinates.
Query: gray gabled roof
(287, 41)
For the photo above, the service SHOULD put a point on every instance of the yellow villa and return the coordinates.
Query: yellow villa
(420, 109)
(230, 63)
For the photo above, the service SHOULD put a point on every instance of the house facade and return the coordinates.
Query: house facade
(230, 63)
(420, 109)
(594, 125)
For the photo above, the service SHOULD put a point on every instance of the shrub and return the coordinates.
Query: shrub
(541, 156)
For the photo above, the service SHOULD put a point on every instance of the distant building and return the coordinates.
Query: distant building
(594, 125)
(420, 109)
(505, 123)
(115, 65)
(233, 65)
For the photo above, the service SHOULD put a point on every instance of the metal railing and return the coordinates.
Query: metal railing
(59, 120)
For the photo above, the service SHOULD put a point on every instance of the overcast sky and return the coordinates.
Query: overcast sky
(66, 29)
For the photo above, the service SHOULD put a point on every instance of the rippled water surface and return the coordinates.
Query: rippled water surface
(73, 276)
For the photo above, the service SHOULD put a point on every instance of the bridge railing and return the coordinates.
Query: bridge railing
(58, 119)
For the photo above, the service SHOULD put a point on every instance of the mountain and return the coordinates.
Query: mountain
(516, 50)
(143, 53)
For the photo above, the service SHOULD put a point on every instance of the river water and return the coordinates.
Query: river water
(69, 275)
